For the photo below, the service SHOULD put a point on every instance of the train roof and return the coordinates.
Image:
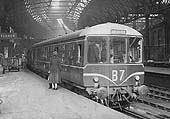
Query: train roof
(101, 29)
(107, 27)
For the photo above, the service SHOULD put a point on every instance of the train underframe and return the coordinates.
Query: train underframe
(117, 97)
(113, 97)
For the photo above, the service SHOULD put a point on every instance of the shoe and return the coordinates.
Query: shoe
(55, 85)
(54, 88)
(50, 86)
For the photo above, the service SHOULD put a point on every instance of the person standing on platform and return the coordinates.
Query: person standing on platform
(55, 68)
(4, 64)
(23, 61)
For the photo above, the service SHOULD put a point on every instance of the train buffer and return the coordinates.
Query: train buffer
(26, 95)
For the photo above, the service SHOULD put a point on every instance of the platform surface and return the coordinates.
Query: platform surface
(157, 70)
(26, 96)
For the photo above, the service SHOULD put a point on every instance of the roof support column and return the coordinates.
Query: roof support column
(167, 35)
(146, 38)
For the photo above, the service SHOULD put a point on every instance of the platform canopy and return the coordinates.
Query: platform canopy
(49, 18)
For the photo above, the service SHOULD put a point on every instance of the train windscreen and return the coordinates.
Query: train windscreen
(114, 49)
(135, 50)
(117, 49)
(125, 50)
(97, 49)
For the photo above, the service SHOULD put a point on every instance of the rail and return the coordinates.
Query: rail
(134, 114)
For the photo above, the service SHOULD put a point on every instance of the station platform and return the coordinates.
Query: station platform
(157, 76)
(26, 96)
(160, 70)
(163, 64)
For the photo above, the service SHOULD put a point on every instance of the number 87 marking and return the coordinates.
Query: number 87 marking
(115, 74)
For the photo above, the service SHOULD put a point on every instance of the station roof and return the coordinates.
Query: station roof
(49, 18)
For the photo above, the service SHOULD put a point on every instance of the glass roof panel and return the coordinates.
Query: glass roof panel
(46, 11)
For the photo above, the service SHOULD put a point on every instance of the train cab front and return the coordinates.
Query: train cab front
(117, 82)
(114, 68)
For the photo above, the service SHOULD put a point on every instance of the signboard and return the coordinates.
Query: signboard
(8, 35)
(165, 1)
(117, 31)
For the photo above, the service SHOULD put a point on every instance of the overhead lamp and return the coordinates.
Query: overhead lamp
(55, 3)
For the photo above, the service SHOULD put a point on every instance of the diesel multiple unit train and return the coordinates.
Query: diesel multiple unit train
(103, 60)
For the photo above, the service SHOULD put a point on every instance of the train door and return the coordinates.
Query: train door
(78, 62)
(80, 53)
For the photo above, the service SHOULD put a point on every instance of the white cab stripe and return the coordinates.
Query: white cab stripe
(99, 75)
(103, 76)
(133, 74)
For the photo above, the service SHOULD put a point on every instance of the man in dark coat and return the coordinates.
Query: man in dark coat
(93, 53)
(54, 76)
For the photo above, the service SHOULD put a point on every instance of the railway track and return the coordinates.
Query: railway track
(134, 114)
(148, 112)
(145, 100)
(161, 93)
(157, 97)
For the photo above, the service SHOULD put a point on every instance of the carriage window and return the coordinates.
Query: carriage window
(135, 47)
(117, 49)
(63, 54)
(97, 49)
(45, 53)
(60, 52)
(68, 54)
(39, 53)
(79, 55)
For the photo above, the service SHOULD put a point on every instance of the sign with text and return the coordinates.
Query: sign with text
(8, 35)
